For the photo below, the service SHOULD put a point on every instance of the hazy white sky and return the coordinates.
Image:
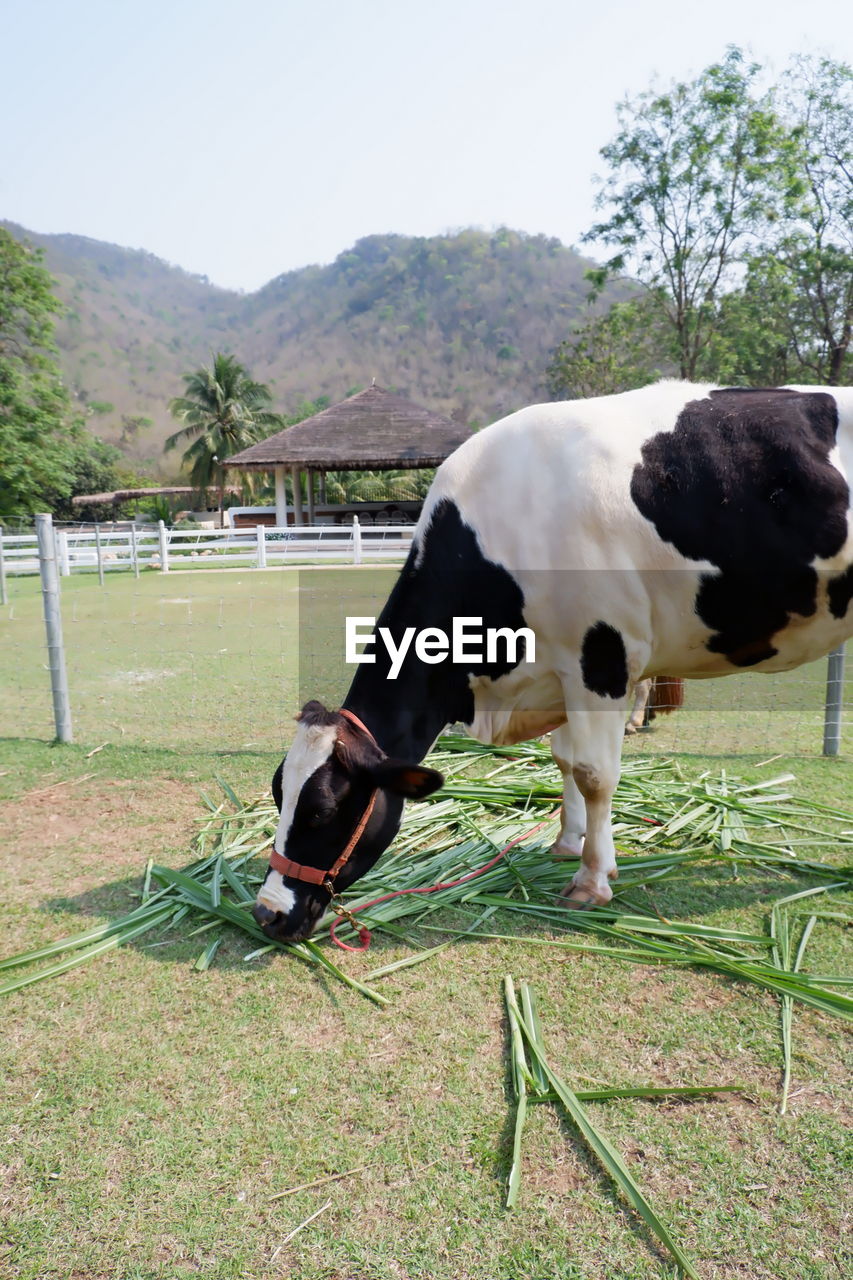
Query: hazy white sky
(242, 140)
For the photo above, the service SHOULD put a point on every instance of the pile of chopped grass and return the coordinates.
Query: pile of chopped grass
(665, 825)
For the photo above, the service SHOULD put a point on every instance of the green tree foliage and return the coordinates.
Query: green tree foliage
(697, 173)
(39, 436)
(805, 270)
(734, 210)
(621, 349)
(223, 411)
(93, 467)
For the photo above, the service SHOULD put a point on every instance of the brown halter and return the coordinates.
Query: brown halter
(315, 875)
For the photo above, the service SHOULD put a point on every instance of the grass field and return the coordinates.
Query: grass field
(212, 658)
(152, 1112)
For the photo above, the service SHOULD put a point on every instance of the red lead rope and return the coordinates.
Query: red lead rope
(364, 934)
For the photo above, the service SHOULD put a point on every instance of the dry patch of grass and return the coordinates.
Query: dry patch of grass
(99, 827)
(75, 851)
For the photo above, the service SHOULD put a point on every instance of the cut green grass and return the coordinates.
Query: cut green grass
(533, 1076)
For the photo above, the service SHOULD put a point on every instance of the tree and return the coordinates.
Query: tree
(38, 431)
(696, 174)
(809, 261)
(621, 349)
(750, 344)
(223, 411)
(790, 321)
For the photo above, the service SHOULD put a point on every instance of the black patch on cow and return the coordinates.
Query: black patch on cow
(744, 480)
(840, 593)
(604, 663)
(276, 786)
(445, 576)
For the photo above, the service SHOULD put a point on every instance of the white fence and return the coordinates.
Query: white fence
(159, 548)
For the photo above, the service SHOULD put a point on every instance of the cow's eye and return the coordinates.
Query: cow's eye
(322, 815)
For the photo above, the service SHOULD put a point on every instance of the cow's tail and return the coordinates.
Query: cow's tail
(667, 695)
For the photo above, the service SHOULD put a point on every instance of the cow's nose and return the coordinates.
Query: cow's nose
(263, 915)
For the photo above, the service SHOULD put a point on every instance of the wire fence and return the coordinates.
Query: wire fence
(218, 651)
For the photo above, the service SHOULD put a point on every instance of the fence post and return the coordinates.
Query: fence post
(99, 554)
(356, 541)
(261, 535)
(2, 570)
(62, 551)
(134, 554)
(834, 702)
(53, 627)
(164, 546)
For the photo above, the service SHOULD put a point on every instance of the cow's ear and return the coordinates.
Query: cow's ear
(413, 781)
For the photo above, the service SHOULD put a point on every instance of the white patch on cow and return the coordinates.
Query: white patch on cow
(312, 747)
(275, 894)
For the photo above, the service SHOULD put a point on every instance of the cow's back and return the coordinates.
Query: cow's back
(659, 509)
(549, 486)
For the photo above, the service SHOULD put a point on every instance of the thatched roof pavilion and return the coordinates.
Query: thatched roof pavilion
(374, 430)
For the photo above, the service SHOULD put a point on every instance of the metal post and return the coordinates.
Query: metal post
(356, 541)
(99, 554)
(164, 546)
(134, 554)
(834, 702)
(261, 535)
(3, 596)
(53, 627)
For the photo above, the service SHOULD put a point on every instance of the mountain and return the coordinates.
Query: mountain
(462, 323)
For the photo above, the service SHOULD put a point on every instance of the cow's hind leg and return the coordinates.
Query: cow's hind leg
(596, 741)
(638, 710)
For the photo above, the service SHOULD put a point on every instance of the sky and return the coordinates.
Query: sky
(243, 140)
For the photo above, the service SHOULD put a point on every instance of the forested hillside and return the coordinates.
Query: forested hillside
(463, 323)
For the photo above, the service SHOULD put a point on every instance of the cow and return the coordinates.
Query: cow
(680, 528)
(655, 696)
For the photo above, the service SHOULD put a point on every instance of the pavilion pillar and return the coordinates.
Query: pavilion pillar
(310, 480)
(321, 489)
(297, 495)
(280, 498)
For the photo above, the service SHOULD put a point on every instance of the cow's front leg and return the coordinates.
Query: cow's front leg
(597, 741)
(569, 843)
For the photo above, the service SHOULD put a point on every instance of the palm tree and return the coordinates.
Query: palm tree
(223, 411)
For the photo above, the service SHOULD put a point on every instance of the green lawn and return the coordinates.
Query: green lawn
(152, 1112)
(203, 659)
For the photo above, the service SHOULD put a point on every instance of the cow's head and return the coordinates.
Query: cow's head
(333, 777)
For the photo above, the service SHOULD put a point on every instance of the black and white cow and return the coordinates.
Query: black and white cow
(677, 529)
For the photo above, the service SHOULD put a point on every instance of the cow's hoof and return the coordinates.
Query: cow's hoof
(570, 851)
(578, 900)
(586, 890)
